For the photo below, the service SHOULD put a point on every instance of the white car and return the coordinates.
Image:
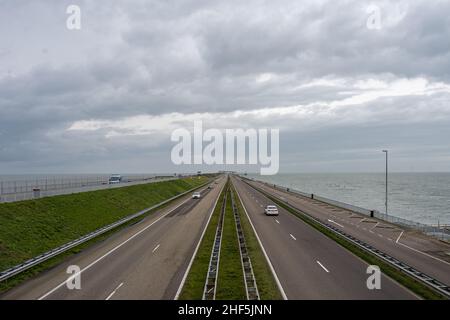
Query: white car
(115, 178)
(196, 195)
(271, 210)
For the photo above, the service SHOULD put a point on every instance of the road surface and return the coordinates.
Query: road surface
(144, 261)
(424, 253)
(149, 259)
(308, 264)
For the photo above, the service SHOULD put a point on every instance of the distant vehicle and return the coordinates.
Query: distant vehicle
(271, 210)
(115, 178)
(210, 186)
(196, 195)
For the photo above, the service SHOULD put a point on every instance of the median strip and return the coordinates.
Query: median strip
(230, 282)
(246, 262)
(194, 283)
(209, 292)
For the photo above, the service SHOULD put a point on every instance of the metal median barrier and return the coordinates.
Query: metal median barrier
(251, 289)
(414, 273)
(209, 291)
(8, 273)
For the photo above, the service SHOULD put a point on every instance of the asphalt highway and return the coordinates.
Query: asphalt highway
(143, 261)
(424, 253)
(149, 259)
(308, 264)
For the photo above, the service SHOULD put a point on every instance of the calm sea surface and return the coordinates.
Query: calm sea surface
(421, 197)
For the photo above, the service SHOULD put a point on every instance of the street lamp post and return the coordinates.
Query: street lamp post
(386, 203)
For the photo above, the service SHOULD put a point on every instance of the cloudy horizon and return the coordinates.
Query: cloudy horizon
(107, 97)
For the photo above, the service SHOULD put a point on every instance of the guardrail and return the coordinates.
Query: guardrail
(251, 289)
(209, 291)
(414, 273)
(8, 273)
(440, 232)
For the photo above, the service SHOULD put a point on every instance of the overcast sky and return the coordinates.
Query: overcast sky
(106, 98)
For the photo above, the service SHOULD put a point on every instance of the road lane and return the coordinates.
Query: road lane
(296, 261)
(127, 257)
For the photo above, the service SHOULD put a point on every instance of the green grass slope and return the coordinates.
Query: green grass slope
(29, 228)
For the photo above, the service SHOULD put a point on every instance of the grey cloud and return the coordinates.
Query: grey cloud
(158, 57)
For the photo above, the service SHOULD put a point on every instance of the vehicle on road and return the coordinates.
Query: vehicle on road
(196, 195)
(115, 178)
(210, 186)
(271, 210)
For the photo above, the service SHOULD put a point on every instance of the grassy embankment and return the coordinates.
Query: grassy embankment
(29, 228)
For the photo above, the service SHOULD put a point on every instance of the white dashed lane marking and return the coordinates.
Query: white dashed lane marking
(112, 293)
(323, 267)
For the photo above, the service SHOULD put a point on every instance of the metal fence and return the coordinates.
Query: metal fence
(17, 190)
(440, 232)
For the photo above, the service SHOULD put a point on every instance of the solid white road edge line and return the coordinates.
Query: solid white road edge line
(177, 295)
(277, 280)
(110, 251)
